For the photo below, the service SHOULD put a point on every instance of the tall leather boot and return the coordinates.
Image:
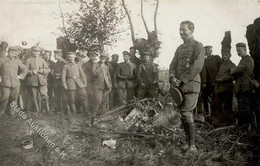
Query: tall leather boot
(73, 109)
(35, 103)
(191, 138)
(185, 128)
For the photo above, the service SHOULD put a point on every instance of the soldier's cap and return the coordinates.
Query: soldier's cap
(177, 95)
(14, 48)
(83, 47)
(115, 55)
(36, 48)
(71, 53)
(104, 56)
(240, 45)
(47, 51)
(208, 47)
(126, 53)
(146, 53)
(93, 53)
(57, 51)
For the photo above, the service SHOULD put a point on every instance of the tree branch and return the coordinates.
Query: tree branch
(155, 16)
(130, 22)
(142, 14)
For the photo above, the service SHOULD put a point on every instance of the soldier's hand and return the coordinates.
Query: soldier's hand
(0, 79)
(20, 77)
(204, 85)
(171, 80)
(143, 85)
(35, 71)
(65, 87)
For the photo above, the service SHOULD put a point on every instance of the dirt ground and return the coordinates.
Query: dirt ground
(82, 144)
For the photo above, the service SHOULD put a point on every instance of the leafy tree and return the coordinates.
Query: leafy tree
(95, 21)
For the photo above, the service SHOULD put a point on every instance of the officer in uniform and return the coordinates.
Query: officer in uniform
(60, 95)
(212, 64)
(184, 72)
(12, 70)
(36, 79)
(147, 76)
(133, 58)
(126, 76)
(102, 86)
(242, 74)
(113, 97)
(74, 81)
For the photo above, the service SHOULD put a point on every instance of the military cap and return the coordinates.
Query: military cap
(115, 55)
(71, 53)
(146, 53)
(57, 51)
(240, 45)
(14, 48)
(47, 51)
(83, 47)
(208, 47)
(36, 48)
(177, 95)
(126, 53)
(103, 55)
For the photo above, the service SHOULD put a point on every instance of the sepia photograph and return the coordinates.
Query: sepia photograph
(130, 83)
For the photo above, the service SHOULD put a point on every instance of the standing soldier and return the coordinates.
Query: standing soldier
(12, 70)
(59, 92)
(113, 65)
(36, 79)
(242, 74)
(74, 81)
(126, 76)
(222, 105)
(87, 68)
(147, 76)
(133, 58)
(184, 72)
(46, 56)
(212, 63)
(102, 86)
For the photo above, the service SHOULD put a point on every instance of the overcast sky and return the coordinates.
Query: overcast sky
(38, 21)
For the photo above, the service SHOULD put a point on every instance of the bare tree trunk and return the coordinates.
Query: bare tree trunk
(63, 21)
(142, 14)
(155, 16)
(130, 22)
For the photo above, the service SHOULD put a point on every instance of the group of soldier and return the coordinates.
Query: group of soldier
(208, 83)
(70, 85)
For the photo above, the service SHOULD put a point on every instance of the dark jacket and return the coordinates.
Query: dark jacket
(56, 73)
(126, 75)
(112, 70)
(147, 73)
(87, 68)
(212, 64)
(224, 79)
(242, 73)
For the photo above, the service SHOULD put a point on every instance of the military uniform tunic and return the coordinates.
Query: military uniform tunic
(10, 83)
(186, 66)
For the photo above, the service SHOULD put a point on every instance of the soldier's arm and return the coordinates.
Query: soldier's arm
(196, 67)
(139, 74)
(45, 69)
(242, 66)
(173, 65)
(82, 75)
(23, 68)
(134, 69)
(96, 68)
(156, 73)
(63, 76)
(27, 64)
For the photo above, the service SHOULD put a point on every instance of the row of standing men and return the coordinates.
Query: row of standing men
(71, 85)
